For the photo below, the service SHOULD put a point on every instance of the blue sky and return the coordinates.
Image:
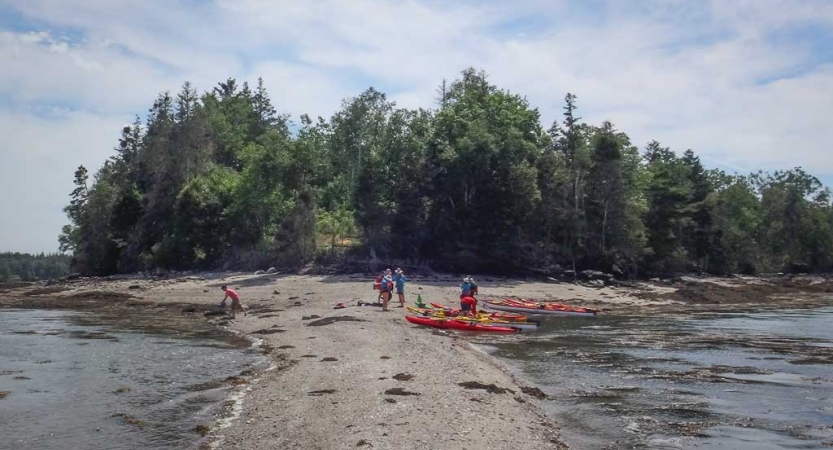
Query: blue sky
(747, 84)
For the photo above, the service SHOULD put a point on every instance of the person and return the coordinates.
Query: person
(399, 279)
(386, 289)
(465, 288)
(378, 284)
(473, 286)
(468, 305)
(235, 301)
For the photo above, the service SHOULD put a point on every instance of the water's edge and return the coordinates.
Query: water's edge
(231, 405)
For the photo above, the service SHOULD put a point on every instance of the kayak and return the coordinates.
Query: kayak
(481, 318)
(453, 324)
(448, 312)
(552, 309)
(529, 325)
(456, 311)
(546, 305)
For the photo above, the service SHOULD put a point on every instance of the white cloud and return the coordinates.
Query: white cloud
(39, 156)
(691, 74)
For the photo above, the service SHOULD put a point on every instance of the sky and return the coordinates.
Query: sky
(747, 84)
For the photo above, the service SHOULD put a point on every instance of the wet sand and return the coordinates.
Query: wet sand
(370, 379)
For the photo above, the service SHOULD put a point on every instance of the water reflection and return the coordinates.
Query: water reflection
(113, 380)
(679, 381)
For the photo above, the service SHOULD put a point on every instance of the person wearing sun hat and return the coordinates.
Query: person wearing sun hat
(465, 287)
(399, 280)
(473, 286)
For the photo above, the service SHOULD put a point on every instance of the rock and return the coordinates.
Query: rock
(797, 268)
(654, 280)
(617, 271)
(271, 270)
(596, 283)
(570, 273)
(534, 392)
(592, 275)
(259, 272)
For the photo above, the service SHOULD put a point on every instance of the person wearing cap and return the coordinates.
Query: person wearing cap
(399, 280)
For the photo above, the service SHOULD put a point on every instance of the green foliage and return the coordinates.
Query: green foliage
(221, 179)
(26, 267)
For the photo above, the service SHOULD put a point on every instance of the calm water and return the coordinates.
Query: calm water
(755, 380)
(112, 380)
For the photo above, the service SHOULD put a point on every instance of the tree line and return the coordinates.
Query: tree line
(477, 183)
(26, 267)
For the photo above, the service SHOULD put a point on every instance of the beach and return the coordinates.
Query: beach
(359, 377)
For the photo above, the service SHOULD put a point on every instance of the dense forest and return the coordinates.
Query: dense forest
(476, 184)
(26, 267)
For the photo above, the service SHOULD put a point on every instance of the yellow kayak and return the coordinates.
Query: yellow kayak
(480, 318)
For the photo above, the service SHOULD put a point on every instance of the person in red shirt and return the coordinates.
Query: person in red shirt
(235, 301)
(468, 305)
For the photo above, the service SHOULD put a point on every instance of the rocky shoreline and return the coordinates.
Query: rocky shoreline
(363, 378)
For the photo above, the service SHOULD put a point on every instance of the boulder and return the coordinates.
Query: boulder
(272, 270)
(260, 272)
(592, 275)
(797, 268)
(617, 271)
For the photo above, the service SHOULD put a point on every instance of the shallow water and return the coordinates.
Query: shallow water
(112, 380)
(754, 380)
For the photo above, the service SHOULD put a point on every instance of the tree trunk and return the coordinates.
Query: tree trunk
(604, 228)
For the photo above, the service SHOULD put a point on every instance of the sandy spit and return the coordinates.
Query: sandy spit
(371, 380)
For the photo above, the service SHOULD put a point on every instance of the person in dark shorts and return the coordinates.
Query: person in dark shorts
(235, 301)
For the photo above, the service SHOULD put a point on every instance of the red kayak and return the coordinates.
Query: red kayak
(451, 324)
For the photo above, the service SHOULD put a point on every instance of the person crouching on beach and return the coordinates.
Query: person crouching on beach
(399, 279)
(235, 301)
(387, 289)
(468, 305)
